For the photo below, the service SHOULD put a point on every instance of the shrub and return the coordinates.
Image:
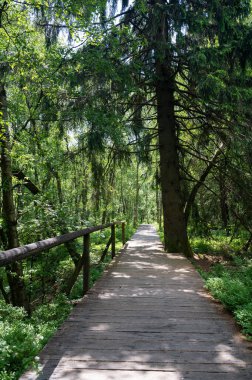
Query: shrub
(243, 316)
(233, 287)
(22, 338)
(19, 341)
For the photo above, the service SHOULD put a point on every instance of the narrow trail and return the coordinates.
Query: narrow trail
(147, 318)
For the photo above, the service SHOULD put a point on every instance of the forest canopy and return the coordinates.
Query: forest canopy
(124, 110)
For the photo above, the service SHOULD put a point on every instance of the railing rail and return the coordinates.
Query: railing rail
(30, 250)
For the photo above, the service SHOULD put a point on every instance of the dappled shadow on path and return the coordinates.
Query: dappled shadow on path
(148, 319)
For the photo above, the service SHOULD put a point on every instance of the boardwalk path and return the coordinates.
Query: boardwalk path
(147, 318)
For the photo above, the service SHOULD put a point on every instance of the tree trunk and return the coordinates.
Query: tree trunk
(135, 221)
(175, 233)
(158, 199)
(14, 271)
(223, 196)
(104, 216)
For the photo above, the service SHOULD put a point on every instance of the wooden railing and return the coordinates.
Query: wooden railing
(33, 249)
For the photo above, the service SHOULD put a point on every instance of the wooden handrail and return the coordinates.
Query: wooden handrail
(29, 250)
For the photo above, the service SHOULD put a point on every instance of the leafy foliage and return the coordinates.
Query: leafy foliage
(80, 83)
(232, 286)
(22, 338)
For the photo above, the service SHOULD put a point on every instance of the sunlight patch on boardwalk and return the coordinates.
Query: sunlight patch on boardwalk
(148, 318)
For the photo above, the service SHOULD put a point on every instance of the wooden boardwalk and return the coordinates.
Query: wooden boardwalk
(147, 318)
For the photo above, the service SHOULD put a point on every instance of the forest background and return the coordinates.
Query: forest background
(113, 110)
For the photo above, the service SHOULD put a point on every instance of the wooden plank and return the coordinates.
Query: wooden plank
(221, 355)
(102, 375)
(133, 315)
(169, 337)
(142, 375)
(152, 366)
(161, 324)
(202, 344)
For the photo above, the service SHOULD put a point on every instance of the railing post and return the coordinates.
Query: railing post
(123, 233)
(86, 262)
(113, 240)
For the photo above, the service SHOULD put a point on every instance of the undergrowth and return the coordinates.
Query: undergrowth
(232, 285)
(21, 338)
(231, 281)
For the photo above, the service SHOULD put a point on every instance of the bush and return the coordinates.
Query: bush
(22, 338)
(233, 287)
(47, 318)
(244, 317)
(19, 341)
(231, 292)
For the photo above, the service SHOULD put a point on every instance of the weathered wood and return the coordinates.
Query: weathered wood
(75, 275)
(113, 251)
(175, 327)
(105, 250)
(152, 365)
(86, 262)
(136, 324)
(169, 344)
(123, 233)
(20, 253)
(87, 374)
(149, 356)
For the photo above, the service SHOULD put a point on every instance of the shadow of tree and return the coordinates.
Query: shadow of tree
(147, 318)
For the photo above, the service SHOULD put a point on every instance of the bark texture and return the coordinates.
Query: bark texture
(14, 271)
(175, 233)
